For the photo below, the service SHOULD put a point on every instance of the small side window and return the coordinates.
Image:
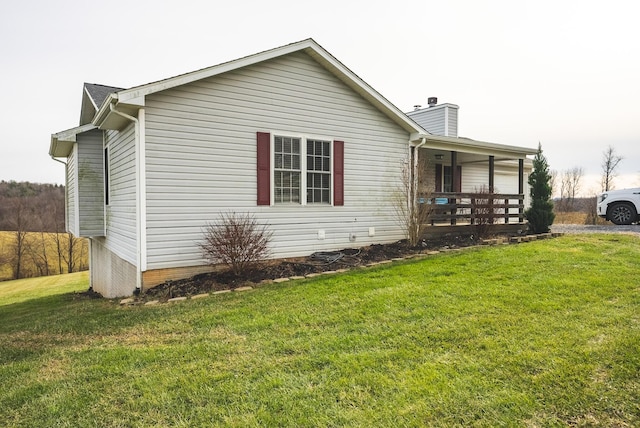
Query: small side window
(106, 176)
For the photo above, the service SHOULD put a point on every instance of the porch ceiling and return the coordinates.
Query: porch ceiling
(474, 147)
(444, 157)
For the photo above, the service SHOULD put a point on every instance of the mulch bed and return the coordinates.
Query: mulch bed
(286, 268)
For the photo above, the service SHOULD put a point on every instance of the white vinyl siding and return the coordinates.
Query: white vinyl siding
(452, 119)
(201, 159)
(430, 119)
(438, 120)
(90, 184)
(72, 192)
(121, 211)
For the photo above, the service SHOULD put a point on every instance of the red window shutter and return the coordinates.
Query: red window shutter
(264, 168)
(338, 173)
(438, 177)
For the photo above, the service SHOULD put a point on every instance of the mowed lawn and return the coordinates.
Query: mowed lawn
(539, 334)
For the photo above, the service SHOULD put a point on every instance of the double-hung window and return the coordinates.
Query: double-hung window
(287, 170)
(299, 170)
(318, 172)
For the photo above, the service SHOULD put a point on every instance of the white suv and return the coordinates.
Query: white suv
(620, 206)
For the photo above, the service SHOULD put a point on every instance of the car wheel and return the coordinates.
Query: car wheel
(622, 213)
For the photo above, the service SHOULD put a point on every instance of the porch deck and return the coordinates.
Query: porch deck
(462, 213)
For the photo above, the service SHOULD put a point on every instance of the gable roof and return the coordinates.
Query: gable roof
(100, 101)
(93, 96)
(99, 93)
(129, 100)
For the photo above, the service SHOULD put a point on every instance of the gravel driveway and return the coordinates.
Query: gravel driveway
(587, 228)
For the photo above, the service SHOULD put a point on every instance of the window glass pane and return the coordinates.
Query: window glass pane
(325, 164)
(286, 172)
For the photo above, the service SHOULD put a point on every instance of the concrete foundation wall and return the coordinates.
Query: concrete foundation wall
(111, 276)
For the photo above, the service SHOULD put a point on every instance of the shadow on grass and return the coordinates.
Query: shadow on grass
(35, 326)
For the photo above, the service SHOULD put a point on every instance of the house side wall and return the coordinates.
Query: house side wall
(90, 184)
(71, 171)
(474, 176)
(121, 212)
(201, 159)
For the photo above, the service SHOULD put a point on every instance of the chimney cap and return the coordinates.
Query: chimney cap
(432, 101)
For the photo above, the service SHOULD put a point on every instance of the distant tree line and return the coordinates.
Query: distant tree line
(35, 242)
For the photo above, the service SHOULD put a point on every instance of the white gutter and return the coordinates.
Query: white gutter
(141, 204)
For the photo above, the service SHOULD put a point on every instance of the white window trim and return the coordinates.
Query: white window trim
(303, 168)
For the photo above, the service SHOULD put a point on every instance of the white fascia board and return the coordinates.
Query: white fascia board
(104, 110)
(467, 145)
(62, 142)
(139, 92)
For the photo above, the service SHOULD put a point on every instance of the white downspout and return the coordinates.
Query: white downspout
(141, 258)
(415, 164)
(58, 160)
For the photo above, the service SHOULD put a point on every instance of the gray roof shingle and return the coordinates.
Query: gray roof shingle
(99, 93)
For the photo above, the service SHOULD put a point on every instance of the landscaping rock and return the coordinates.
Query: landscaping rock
(128, 301)
(177, 299)
(200, 296)
(246, 288)
(312, 275)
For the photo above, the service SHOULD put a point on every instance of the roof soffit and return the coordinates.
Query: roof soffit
(63, 141)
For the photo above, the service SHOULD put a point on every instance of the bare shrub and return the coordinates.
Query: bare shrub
(236, 240)
(591, 216)
(485, 211)
(411, 199)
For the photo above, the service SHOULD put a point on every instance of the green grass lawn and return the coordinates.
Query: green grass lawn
(538, 334)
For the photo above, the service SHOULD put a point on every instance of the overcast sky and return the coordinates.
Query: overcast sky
(562, 73)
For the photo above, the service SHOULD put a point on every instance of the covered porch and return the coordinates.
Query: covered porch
(465, 183)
